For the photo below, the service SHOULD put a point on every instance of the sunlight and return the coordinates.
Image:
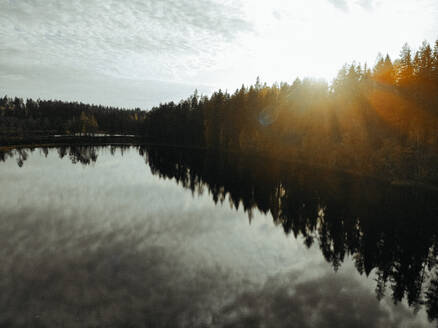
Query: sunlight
(407, 117)
(316, 40)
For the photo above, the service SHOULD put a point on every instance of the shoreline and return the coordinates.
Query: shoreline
(51, 141)
(132, 140)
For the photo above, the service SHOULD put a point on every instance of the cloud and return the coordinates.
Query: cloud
(340, 4)
(366, 4)
(165, 40)
(344, 5)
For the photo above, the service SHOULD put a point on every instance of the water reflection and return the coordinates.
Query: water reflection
(75, 271)
(389, 229)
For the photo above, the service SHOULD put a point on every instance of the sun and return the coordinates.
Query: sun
(291, 39)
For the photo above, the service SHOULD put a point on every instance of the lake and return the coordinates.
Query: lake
(141, 236)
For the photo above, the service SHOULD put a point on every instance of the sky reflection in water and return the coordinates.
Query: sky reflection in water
(111, 244)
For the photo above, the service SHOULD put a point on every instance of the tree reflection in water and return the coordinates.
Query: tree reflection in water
(386, 228)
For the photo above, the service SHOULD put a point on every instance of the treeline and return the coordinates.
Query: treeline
(380, 120)
(50, 117)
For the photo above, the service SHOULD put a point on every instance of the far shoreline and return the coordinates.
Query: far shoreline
(12, 143)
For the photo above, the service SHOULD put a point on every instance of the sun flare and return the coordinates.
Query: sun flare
(316, 40)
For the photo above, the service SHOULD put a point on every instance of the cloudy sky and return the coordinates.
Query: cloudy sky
(135, 53)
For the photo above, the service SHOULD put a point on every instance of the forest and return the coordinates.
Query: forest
(375, 121)
(379, 121)
(52, 117)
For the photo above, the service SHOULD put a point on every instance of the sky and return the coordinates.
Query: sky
(135, 53)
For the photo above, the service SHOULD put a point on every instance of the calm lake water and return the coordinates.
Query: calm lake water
(160, 237)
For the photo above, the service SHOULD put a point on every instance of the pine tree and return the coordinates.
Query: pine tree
(405, 70)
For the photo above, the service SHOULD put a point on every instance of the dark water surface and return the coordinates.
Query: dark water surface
(158, 237)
